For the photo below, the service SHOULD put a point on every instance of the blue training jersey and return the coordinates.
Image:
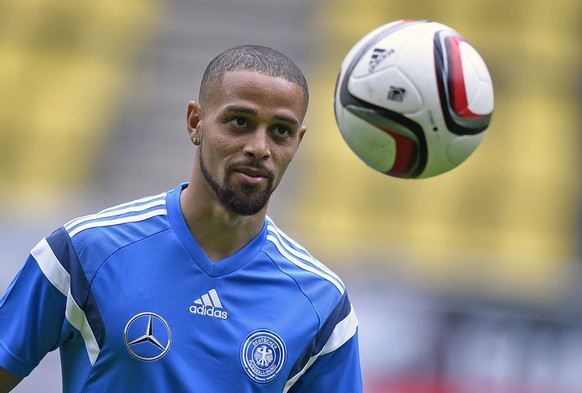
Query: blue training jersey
(134, 305)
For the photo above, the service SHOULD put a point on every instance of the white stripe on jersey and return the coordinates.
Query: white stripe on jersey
(342, 332)
(51, 267)
(61, 280)
(112, 213)
(298, 258)
(161, 196)
(130, 207)
(281, 235)
(273, 239)
(122, 220)
(78, 320)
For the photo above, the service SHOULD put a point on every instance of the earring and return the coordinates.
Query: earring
(195, 141)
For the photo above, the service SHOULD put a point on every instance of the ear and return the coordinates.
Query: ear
(301, 133)
(193, 119)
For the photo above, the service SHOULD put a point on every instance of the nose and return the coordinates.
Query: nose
(257, 147)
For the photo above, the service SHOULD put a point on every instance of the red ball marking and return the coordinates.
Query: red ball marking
(457, 81)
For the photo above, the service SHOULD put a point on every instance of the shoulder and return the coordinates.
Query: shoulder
(338, 323)
(294, 259)
(320, 284)
(124, 216)
(96, 236)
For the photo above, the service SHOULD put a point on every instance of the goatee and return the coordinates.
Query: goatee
(246, 199)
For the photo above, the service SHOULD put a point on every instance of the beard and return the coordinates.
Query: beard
(246, 199)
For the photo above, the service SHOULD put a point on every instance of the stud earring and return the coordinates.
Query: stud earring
(195, 141)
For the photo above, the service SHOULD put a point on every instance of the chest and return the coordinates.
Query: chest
(162, 314)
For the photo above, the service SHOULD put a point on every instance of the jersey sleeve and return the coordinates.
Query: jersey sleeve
(331, 362)
(32, 312)
(49, 301)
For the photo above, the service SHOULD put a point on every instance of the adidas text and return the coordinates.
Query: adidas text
(208, 311)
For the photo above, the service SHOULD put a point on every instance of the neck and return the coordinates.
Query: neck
(218, 231)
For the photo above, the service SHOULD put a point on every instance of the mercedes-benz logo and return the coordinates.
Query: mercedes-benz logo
(147, 336)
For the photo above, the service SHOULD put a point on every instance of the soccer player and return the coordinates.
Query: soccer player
(195, 289)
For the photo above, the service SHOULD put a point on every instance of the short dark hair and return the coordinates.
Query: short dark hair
(258, 58)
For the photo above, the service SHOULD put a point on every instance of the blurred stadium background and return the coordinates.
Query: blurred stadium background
(464, 283)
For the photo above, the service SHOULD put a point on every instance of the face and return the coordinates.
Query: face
(249, 131)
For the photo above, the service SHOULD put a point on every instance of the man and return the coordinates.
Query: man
(196, 289)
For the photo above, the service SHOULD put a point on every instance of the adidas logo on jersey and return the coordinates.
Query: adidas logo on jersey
(209, 305)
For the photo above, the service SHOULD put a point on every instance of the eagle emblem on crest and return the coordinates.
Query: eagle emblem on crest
(263, 355)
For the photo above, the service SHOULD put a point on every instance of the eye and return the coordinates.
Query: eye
(238, 122)
(282, 131)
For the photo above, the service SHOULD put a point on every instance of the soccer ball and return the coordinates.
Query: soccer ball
(413, 99)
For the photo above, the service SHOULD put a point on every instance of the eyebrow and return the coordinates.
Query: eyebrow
(242, 109)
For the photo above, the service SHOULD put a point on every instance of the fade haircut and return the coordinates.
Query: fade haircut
(251, 58)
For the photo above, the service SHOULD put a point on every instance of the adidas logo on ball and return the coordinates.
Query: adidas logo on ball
(378, 55)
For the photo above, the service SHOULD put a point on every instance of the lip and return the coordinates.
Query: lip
(252, 172)
(251, 175)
